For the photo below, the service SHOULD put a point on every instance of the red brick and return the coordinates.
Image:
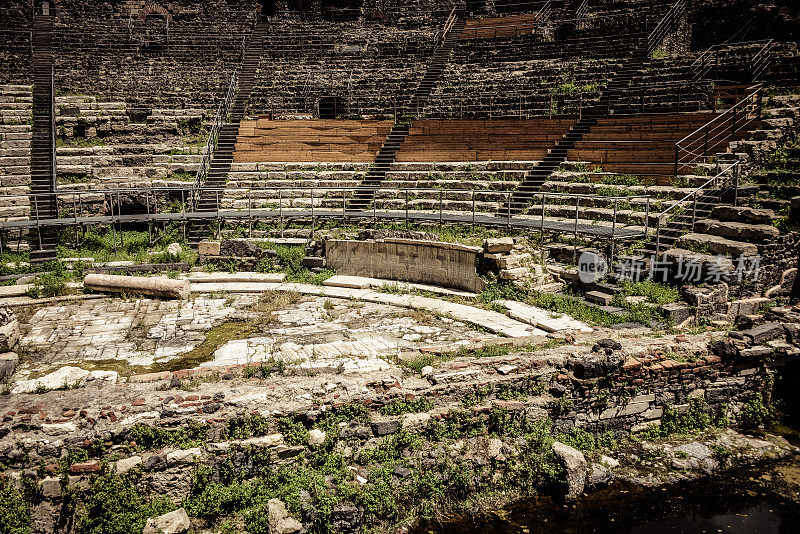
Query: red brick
(85, 467)
(138, 402)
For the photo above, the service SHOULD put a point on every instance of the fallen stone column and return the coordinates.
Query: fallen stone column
(142, 285)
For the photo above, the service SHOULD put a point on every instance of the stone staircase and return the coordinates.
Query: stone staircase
(43, 164)
(388, 152)
(558, 154)
(223, 154)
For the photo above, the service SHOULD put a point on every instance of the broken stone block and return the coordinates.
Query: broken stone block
(280, 522)
(743, 214)
(9, 335)
(676, 313)
(8, 363)
(575, 464)
(765, 332)
(208, 248)
(498, 245)
(175, 522)
(153, 287)
(51, 487)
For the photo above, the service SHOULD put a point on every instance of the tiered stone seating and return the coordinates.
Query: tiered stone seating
(482, 140)
(310, 140)
(15, 150)
(372, 68)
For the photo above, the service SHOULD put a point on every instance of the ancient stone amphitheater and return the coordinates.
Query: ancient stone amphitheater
(370, 266)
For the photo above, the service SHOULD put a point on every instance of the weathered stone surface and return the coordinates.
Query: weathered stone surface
(676, 313)
(8, 363)
(154, 287)
(279, 520)
(498, 245)
(743, 214)
(575, 464)
(598, 475)
(174, 250)
(494, 448)
(126, 464)
(384, 428)
(51, 487)
(175, 522)
(751, 233)
(427, 262)
(186, 456)
(240, 248)
(209, 248)
(65, 377)
(316, 437)
(765, 332)
(9, 335)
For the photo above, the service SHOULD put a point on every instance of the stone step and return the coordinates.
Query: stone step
(717, 245)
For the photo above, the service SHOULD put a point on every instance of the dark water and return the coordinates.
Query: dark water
(726, 505)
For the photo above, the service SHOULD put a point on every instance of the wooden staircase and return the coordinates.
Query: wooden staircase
(376, 173)
(43, 143)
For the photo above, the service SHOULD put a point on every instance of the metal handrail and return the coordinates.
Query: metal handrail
(660, 31)
(545, 11)
(761, 61)
(721, 176)
(220, 119)
(614, 230)
(449, 23)
(189, 189)
(705, 61)
(716, 132)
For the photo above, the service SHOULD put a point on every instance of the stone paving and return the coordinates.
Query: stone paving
(316, 333)
(139, 332)
(492, 321)
(345, 337)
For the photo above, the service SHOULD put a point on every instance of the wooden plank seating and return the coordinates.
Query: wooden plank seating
(494, 27)
(482, 140)
(265, 140)
(642, 145)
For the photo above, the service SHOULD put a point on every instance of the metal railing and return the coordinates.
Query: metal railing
(220, 119)
(724, 176)
(713, 57)
(83, 208)
(580, 13)
(718, 132)
(545, 12)
(448, 25)
(660, 32)
(762, 60)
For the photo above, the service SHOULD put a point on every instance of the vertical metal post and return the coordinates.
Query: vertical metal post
(312, 209)
(575, 242)
(658, 236)
(694, 210)
(473, 208)
(406, 206)
(647, 218)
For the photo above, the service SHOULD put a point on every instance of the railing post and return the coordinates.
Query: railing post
(575, 237)
(736, 171)
(542, 227)
(473, 208)
(694, 210)
(658, 236)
